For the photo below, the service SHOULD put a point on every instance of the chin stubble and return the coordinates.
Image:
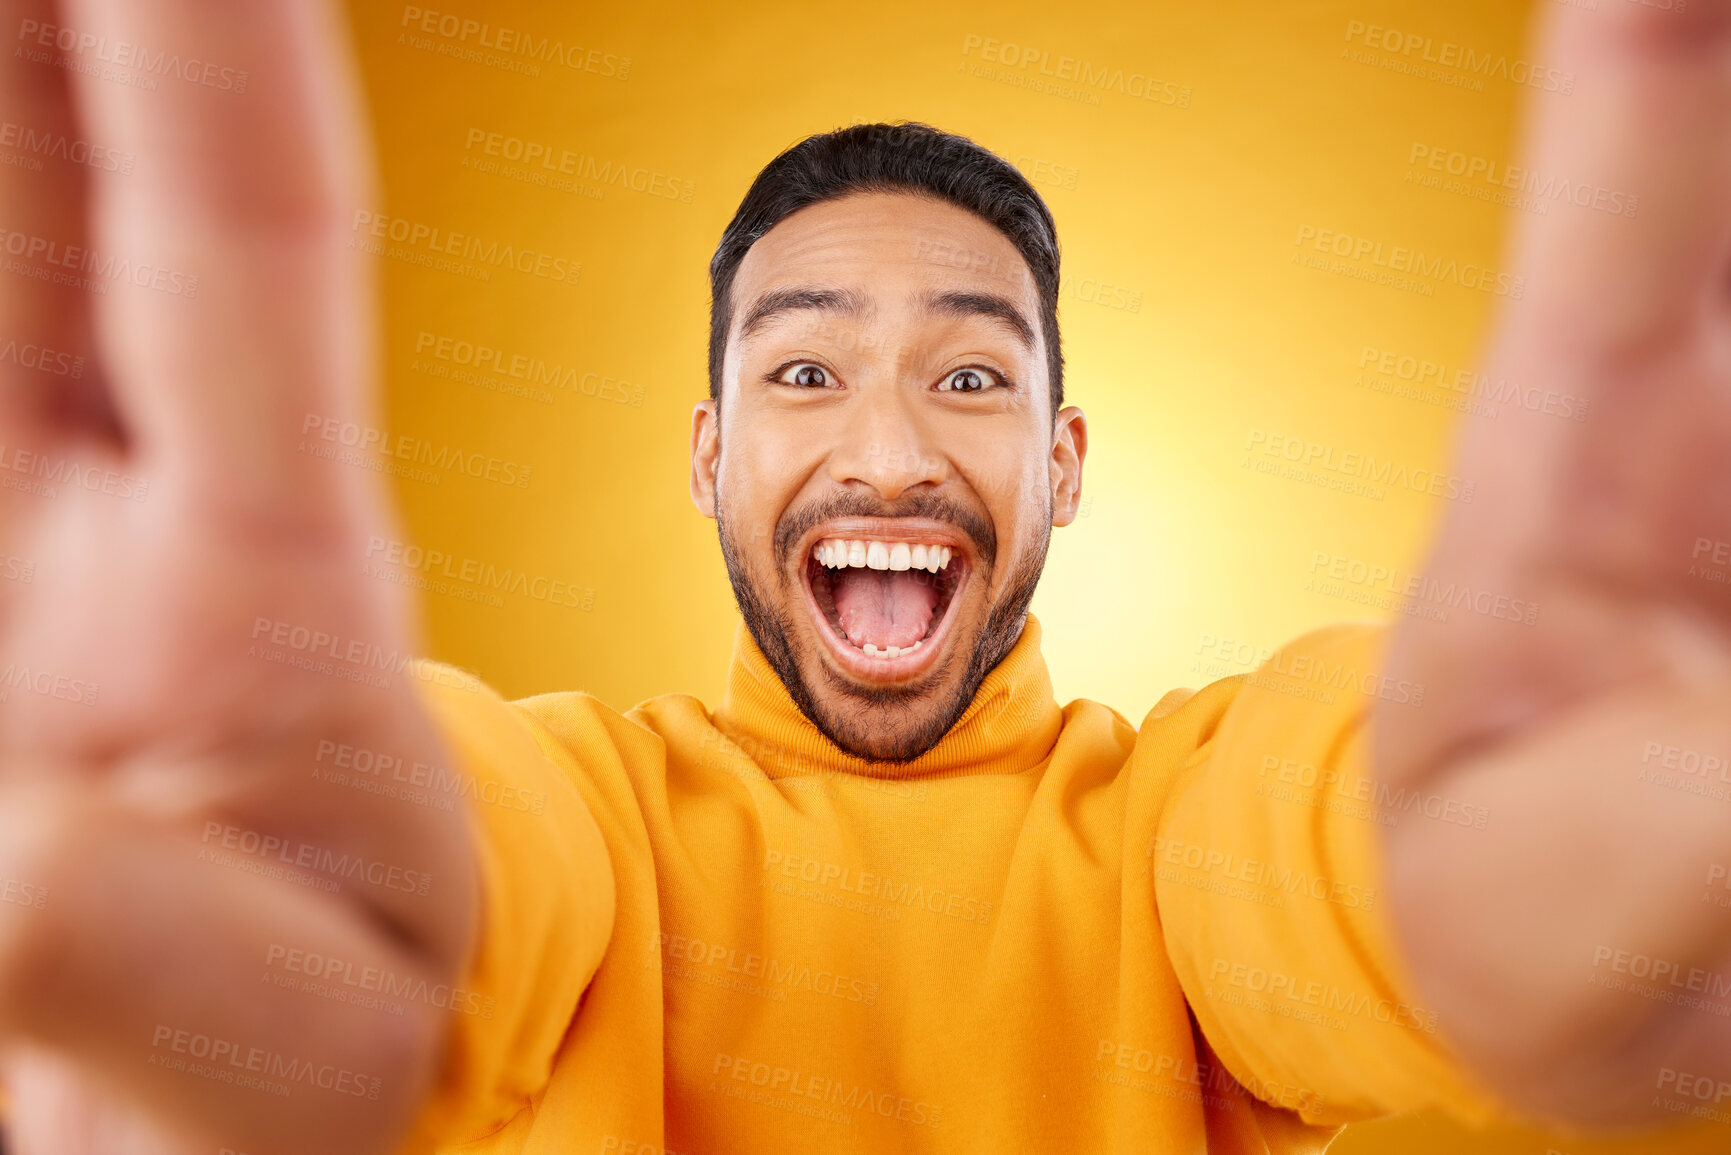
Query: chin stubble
(893, 727)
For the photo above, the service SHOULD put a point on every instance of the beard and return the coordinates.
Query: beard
(882, 723)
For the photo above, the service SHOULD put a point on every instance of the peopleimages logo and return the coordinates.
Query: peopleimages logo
(425, 244)
(48, 476)
(1405, 259)
(1065, 69)
(1395, 365)
(87, 269)
(47, 684)
(42, 359)
(438, 563)
(1364, 469)
(58, 146)
(86, 46)
(1278, 988)
(418, 450)
(582, 166)
(258, 1068)
(1543, 187)
(307, 856)
(379, 981)
(1413, 587)
(515, 372)
(894, 892)
(1416, 50)
(460, 33)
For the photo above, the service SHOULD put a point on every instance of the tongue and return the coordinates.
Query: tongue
(884, 607)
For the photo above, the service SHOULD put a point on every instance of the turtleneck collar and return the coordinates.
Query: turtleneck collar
(1011, 724)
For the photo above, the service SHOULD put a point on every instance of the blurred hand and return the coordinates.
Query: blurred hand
(163, 838)
(1608, 525)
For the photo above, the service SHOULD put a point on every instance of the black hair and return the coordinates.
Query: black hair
(906, 157)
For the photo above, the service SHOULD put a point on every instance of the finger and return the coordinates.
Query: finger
(1591, 520)
(57, 1110)
(252, 313)
(217, 1053)
(47, 377)
(1642, 241)
(1623, 308)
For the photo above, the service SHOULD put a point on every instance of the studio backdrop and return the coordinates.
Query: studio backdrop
(1282, 236)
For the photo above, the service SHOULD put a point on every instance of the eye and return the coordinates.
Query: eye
(806, 375)
(970, 380)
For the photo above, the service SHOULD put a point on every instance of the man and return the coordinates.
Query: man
(887, 895)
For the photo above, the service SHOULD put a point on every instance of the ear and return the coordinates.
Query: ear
(705, 453)
(1069, 448)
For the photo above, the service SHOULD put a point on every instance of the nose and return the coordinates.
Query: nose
(885, 443)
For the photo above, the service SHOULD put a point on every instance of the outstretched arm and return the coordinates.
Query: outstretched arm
(196, 626)
(1569, 946)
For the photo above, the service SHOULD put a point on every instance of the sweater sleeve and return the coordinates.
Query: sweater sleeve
(546, 912)
(1268, 883)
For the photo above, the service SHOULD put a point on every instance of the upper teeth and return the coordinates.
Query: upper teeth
(837, 553)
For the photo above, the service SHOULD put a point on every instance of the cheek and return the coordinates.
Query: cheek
(1015, 499)
(1015, 491)
(757, 479)
(770, 449)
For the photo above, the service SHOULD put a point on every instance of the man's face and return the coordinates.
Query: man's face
(885, 465)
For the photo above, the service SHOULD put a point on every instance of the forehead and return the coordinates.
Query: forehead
(884, 245)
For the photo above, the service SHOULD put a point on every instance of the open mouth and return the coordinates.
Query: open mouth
(883, 593)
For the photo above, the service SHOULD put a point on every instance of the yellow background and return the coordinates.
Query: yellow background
(1190, 213)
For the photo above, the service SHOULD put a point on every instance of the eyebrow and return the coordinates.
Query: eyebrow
(781, 302)
(1001, 309)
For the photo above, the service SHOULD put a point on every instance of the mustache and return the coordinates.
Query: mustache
(796, 523)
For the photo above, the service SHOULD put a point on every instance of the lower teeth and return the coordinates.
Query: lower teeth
(872, 651)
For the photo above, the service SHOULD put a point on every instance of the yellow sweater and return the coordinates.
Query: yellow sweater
(709, 933)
